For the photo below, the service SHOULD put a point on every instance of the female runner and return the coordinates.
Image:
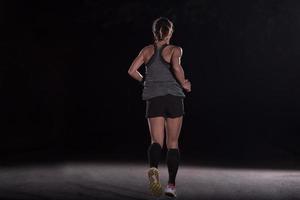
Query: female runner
(164, 85)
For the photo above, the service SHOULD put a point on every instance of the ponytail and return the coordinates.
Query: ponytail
(160, 34)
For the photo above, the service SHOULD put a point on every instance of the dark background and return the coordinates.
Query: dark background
(65, 88)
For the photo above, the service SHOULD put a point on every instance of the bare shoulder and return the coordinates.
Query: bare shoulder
(148, 48)
(177, 50)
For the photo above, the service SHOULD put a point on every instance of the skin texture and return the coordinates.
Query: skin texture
(157, 125)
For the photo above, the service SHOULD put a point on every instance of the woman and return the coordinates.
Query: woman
(163, 92)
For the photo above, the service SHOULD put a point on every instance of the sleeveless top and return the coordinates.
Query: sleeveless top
(159, 79)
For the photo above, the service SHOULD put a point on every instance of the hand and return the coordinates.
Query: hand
(142, 81)
(187, 85)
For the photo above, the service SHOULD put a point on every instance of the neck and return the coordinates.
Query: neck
(162, 42)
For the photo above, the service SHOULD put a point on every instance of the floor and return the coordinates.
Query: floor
(115, 180)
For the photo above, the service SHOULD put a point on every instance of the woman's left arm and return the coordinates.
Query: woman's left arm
(136, 64)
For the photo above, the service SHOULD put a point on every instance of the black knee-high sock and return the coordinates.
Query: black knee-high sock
(173, 157)
(154, 154)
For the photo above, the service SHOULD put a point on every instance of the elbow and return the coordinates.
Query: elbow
(130, 72)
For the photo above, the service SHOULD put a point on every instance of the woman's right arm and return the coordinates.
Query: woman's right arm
(178, 70)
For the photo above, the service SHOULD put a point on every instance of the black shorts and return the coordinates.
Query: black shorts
(168, 106)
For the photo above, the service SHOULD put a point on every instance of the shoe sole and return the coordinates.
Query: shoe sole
(154, 183)
(170, 195)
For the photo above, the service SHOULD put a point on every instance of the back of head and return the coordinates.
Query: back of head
(161, 28)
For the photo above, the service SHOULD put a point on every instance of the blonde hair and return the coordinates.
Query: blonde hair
(161, 28)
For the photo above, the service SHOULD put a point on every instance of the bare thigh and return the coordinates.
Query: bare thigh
(157, 129)
(173, 128)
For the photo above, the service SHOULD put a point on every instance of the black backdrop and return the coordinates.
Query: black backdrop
(64, 82)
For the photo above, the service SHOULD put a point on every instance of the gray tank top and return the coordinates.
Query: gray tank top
(159, 80)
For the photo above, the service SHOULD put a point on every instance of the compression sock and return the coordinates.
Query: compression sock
(154, 154)
(173, 157)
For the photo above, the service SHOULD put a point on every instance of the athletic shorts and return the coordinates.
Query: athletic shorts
(168, 106)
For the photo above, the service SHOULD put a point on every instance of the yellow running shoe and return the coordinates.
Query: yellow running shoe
(154, 183)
